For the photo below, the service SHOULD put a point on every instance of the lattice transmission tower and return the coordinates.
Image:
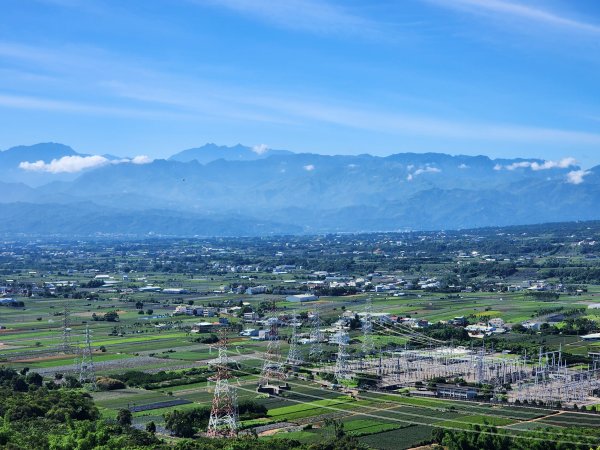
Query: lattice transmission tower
(342, 371)
(368, 346)
(294, 357)
(66, 329)
(223, 421)
(272, 369)
(87, 371)
(316, 337)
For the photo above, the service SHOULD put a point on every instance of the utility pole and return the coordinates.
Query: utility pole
(87, 372)
(223, 421)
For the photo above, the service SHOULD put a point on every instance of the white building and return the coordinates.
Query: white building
(496, 322)
(256, 290)
(301, 298)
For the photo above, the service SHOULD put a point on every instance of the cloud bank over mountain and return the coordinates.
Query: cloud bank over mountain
(73, 164)
(244, 190)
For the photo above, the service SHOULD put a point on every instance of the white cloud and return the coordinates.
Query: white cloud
(141, 159)
(518, 165)
(546, 165)
(74, 164)
(260, 149)
(576, 176)
(498, 167)
(66, 164)
(309, 167)
(562, 164)
(463, 166)
(427, 170)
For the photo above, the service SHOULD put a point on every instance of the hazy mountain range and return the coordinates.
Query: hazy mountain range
(213, 190)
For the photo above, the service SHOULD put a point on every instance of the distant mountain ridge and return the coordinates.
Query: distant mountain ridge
(212, 152)
(218, 190)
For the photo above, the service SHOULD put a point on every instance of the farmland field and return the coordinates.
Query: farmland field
(154, 335)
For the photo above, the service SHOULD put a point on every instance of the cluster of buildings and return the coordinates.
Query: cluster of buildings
(191, 310)
(482, 329)
(209, 327)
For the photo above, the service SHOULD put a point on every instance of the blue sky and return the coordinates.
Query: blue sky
(494, 77)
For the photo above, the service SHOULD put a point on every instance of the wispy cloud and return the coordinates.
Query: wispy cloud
(316, 16)
(577, 176)
(136, 90)
(515, 10)
(45, 104)
(74, 164)
(309, 167)
(360, 116)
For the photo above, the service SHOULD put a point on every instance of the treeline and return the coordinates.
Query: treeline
(187, 423)
(162, 379)
(444, 332)
(489, 438)
(585, 275)
(38, 415)
(489, 269)
(44, 416)
(542, 296)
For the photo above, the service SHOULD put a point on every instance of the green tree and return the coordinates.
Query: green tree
(151, 427)
(124, 417)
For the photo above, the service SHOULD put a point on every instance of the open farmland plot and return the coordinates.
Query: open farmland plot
(364, 427)
(400, 439)
(305, 436)
(466, 421)
(124, 398)
(66, 361)
(567, 419)
(512, 412)
(307, 409)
